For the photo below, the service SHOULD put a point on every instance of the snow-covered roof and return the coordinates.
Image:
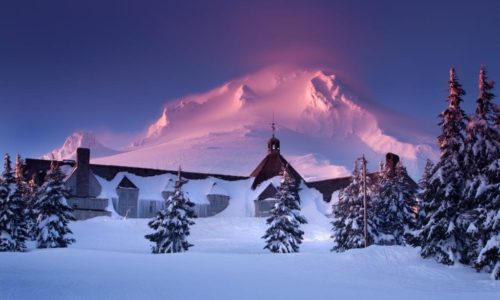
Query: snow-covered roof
(67, 170)
(169, 186)
(217, 189)
(151, 187)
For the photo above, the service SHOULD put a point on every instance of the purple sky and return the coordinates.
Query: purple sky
(110, 66)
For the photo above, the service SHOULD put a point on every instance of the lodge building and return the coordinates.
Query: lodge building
(103, 190)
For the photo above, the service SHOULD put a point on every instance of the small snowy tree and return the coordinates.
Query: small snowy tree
(172, 224)
(284, 234)
(348, 215)
(8, 208)
(395, 207)
(54, 213)
(482, 208)
(423, 185)
(440, 236)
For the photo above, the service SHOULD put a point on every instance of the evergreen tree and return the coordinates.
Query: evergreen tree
(7, 208)
(54, 213)
(348, 215)
(172, 224)
(440, 236)
(395, 207)
(19, 199)
(284, 234)
(482, 215)
(423, 185)
(33, 193)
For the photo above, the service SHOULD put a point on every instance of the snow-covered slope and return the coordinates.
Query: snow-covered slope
(84, 139)
(322, 126)
(111, 259)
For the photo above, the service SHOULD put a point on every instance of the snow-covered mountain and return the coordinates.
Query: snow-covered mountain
(84, 139)
(322, 125)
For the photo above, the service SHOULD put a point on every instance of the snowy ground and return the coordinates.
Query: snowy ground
(111, 260)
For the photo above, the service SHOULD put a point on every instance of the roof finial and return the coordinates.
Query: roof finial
(273, 125)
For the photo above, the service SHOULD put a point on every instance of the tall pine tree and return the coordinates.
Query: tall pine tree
(33, 193)
(20, 198)
(395, 207)
(482, 217)
(172, 224)
(348, 215)
(284, 234)
(54, 213)
(440, 236)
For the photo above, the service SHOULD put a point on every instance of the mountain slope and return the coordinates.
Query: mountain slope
(321, 124)
(84, 139)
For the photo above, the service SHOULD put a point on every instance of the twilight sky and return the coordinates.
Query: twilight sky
(109, 66)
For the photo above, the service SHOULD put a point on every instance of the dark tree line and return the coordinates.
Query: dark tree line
(455, 216)
(31, 212)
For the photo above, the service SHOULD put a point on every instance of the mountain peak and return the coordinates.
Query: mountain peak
(79, 139)
(156, 128)
(322, 124)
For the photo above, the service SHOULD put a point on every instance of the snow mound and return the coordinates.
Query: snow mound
(111, 259)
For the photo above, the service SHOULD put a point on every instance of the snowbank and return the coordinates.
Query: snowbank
(111, 260)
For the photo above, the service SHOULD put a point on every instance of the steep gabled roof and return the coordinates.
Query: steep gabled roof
(125, 183)
(269, 192)
(271, 166)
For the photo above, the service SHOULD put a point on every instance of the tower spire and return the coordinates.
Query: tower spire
(273, 125)
(273, 145)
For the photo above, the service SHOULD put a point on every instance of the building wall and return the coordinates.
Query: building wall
(149, 208)
(94, 188)
(201, 210)
(128, 200)
(217, 204)
(88, 203)
(263, 207)
(87, 214)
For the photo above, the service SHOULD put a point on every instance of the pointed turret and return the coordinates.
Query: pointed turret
(273, 163)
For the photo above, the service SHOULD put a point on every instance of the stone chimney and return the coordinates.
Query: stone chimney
(82, 172)
(391, 160)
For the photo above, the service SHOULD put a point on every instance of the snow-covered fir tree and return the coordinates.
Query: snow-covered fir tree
(440, 235)
(284, 233)
(423, 185)
(172, 224)
(482, 160)
(348, 215)
(20, 198)
(395, 208)
(8, 208)
(33, 192)
(54, 213)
